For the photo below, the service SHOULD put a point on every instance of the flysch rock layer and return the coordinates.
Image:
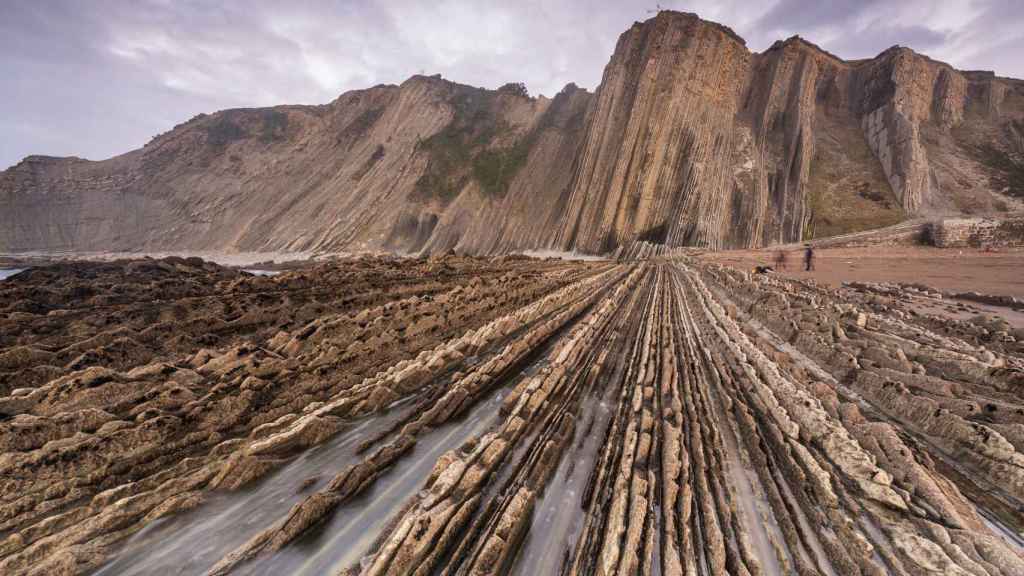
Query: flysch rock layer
(689, 140)
(505, 416)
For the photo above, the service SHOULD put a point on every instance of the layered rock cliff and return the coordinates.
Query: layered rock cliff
(393, 167)
(690, 139)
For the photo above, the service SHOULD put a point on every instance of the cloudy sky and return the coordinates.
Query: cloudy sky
(96, 78)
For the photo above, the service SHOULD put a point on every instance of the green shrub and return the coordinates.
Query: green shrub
(1008, 171)
(358, 127)
(515, 88)
(275, 125)
(464, 150)
(223, 130)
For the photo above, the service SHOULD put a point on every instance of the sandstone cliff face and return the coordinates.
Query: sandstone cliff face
(661, 128)
(693, 140)
(354, 174)
(690, 139)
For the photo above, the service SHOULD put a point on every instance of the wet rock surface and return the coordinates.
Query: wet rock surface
(508, 416)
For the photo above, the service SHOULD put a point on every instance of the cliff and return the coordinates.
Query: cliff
(392, 167)
(690, 139)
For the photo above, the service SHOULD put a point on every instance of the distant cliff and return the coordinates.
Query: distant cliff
(690, 139)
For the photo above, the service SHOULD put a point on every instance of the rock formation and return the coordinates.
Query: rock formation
(454, 415)
(690, 139)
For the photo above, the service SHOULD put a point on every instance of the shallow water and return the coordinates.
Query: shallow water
(949, 309)
(351, 531)
(259, 272)
(8, 272)
(192, 542)
(556, 521)
(562, 254)
(1014, 539)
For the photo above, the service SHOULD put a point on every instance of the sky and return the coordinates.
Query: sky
(97, 78)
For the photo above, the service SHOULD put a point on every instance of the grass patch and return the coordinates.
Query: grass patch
(1007, 171)
(464, 149)
(223, 130)
(847, 190)
(359, 126)
(275, 125)
(494, 169)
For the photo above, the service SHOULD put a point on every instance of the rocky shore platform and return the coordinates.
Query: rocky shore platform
(512, 415)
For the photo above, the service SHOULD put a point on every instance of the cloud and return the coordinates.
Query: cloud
(95, 79)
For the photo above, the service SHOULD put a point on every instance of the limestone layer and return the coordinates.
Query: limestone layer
(690, 139)
(467, 416)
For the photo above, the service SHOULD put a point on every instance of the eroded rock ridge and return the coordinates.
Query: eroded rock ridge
(513, 416)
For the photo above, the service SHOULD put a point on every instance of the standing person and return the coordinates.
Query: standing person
(809, 259)
(780, 260)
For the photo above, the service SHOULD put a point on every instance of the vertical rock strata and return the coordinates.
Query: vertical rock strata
(689, 140)
(660, 126)
(511, 416)
(693, 140)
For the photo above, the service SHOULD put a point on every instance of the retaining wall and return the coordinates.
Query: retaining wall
(978, 232)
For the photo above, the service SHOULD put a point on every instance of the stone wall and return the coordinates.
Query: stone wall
(908, 233)
(978, 232)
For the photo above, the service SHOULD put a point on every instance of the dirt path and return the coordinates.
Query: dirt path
(944, 269)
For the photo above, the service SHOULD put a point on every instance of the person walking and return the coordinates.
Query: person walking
(809, 259)
(780, 260)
